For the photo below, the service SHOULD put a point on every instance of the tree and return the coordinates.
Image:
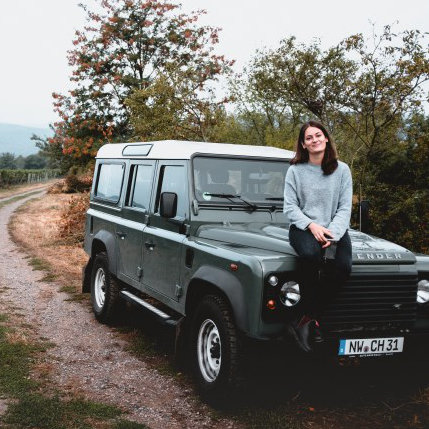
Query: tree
(387, 86)
(360, 88)
(294, 82)
(7, 161)
(127, 47)
(54, 154)
(35, 162)
(178, 104)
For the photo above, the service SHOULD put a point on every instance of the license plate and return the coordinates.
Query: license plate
(371, 346)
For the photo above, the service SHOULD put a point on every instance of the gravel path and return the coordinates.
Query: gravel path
(88, 358)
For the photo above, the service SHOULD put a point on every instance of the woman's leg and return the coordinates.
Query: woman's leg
(335, 274)
(343, 259)
(310, 255)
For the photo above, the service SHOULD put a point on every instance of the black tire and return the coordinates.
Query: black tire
(104, 290)
(215, 347)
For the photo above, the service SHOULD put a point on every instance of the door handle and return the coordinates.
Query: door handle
(121, 235)
(150, 245)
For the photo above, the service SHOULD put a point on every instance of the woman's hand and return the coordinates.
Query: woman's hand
(321, 234)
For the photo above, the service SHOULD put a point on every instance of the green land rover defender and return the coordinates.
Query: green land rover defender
(195, 233)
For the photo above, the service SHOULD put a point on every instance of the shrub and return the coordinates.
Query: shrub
(72, 223)
(400, 214)
(74, 183)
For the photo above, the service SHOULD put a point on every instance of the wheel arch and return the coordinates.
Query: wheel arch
(105, 242)
(210, 280)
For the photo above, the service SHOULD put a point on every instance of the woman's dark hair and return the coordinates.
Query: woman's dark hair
(330, 159)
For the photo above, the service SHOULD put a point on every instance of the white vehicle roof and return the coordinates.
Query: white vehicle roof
(178, 149)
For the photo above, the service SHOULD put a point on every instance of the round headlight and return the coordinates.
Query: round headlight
(273, 281)
(423, 291)
(290, 294)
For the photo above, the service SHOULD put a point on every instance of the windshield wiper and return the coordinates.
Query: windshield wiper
(275, 199)
(230, 196)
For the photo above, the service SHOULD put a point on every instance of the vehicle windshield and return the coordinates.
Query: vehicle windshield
(255, 180)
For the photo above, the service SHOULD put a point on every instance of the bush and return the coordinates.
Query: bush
(400, 214)
(72, 223)
(74, 183)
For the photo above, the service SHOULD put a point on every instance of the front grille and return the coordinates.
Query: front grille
(370, 301)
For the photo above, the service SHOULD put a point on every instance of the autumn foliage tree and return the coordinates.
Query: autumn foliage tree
(126, 46)
(178, 104)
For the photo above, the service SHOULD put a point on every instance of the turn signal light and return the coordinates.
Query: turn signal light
(271, 304)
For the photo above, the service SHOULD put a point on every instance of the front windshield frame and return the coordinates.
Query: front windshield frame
(256, 183)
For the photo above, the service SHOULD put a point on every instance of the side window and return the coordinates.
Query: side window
(109, 182)
(174, 180)
(141, 188)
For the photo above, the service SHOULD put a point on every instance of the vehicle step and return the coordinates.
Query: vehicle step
(166, 318)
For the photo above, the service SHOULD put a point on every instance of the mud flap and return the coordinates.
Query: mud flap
(86, 276)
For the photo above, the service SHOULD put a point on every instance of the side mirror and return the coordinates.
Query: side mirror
(364, 216)
(168, 204)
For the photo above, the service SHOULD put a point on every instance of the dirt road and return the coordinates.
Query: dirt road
(87, 358)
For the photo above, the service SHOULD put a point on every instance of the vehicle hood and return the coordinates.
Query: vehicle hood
(252, 235)
(366, 249)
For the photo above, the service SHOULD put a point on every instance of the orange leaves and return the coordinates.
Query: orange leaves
(125, 47)
(72, 222)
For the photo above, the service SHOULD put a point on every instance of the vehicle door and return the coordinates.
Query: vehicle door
(163, 238)
(134, 218)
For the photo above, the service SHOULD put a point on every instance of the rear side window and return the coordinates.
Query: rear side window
(109, 182)
(142, 185)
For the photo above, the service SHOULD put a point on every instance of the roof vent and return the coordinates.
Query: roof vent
(137, 150)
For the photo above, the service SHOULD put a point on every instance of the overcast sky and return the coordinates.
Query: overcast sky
(35, 36)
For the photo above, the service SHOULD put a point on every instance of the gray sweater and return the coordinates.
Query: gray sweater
(311, 196)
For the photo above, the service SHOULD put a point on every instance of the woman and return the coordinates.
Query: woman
(318, 201)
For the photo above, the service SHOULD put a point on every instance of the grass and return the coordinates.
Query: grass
(39, 264)
(67, 289)
(125, 424)
(17, 198)
(148, 340)
(35, 410)
(48, 278)
(32, 406)
(11, 190)
(15, 360)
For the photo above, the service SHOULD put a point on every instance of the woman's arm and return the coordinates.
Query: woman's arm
(341, 219)
(291, 203)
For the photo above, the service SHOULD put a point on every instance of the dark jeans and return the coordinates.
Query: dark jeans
(319, 280)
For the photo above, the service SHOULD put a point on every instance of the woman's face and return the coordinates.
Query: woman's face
(314, 140)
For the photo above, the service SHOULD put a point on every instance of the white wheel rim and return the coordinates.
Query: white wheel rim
(209, 350)
(100, 287)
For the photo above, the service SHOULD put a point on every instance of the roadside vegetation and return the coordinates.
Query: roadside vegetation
(18, 171)
(10, 178)
(29, 400)
(33, 403)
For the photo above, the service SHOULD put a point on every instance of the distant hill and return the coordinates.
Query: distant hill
(16, 139)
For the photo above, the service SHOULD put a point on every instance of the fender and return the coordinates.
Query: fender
(109, 241)
(230, 286)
